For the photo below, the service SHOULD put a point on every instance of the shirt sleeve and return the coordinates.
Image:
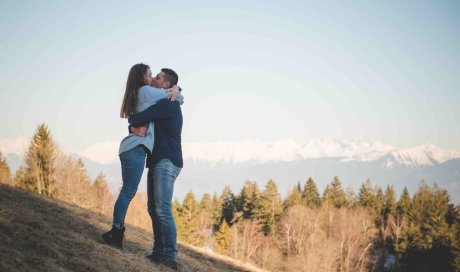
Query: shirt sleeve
(151, 95)
(163, 109)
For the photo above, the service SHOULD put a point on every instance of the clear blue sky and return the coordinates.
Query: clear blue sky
(375, 70)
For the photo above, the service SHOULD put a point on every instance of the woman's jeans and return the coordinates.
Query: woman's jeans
(132, 167)
(160, 187)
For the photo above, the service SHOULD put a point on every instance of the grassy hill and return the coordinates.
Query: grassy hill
(42, 234)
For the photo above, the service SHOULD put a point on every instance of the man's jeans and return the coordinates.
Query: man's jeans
(132, 166)
(160, 187)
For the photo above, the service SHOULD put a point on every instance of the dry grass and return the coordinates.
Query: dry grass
(42, 234)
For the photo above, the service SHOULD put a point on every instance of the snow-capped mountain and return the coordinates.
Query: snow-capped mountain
(211, 166)
(427, 154)
(257, 152)
(261, 152)
(16, 145)
(103, 153)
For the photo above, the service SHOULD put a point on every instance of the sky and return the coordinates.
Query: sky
(373, 70)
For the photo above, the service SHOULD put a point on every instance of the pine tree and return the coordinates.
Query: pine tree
(228, 204)
(271, 208)
(366, 196)
(404, 202)
(379, 201)
(456, 246)
(250, 199)
(428, 243)
(299, 187)
(81, 186)
(217, 211)
(39, 170)
(338, 194)
(310, 194)
(20, 176)
(206, 203)
(327, 198)
(223, 238)
(190, 216)
(180, 228)
(237, 209)
(389, 202)
(102, 194)
(5, 173)
(294, 198)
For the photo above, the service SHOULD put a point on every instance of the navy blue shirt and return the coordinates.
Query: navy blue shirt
(167, 116)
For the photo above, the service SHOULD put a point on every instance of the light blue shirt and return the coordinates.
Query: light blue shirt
(146, 97)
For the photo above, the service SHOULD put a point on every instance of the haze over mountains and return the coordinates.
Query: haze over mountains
(211, 166)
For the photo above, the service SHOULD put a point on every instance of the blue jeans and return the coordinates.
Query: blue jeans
(132, 167)
(160, 187)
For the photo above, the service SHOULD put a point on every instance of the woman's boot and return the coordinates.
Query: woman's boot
(114, 237)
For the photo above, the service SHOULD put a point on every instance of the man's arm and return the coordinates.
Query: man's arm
(162, 109)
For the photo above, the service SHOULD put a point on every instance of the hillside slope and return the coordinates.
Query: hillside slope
(41, 234)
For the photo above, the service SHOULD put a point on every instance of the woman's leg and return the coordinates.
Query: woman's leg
(132, 167)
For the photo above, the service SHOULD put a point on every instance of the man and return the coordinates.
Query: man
(165, 164)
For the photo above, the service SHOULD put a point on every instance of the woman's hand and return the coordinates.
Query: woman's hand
(139, 131)
(173, 92)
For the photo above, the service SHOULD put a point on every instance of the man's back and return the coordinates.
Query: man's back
(167, 116)
(168, 138)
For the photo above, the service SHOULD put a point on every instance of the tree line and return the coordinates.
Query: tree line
(337, 230)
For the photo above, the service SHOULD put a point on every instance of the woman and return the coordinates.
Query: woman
(139, 95)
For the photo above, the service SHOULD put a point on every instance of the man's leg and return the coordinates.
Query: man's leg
(164, 175)
(157, 238)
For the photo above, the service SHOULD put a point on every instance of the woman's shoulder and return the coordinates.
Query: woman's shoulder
(149, 94)
(147, 88)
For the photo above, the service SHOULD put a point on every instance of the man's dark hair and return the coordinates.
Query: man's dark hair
(170, 76)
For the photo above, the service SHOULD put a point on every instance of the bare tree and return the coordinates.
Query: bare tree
(397, 225)
(268, 255)
(305, 242)
(246, 239)
(355, 231)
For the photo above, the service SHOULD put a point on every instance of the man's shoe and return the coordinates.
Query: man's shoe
(151, 256)
(114, 237)
(170, 264)
(161, 261)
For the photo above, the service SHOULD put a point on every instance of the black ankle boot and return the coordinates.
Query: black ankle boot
(114, 237)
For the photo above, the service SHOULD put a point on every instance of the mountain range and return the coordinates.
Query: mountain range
(210, 166)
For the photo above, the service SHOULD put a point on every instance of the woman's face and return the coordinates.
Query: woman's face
(148, 77)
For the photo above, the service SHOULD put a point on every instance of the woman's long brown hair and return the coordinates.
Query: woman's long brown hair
(134, 82)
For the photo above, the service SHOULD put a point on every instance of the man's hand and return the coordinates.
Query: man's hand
(173, 92)
(139, 131)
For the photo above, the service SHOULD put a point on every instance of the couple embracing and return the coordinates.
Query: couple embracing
(152, 106)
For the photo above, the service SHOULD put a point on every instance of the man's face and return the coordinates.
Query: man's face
(160, 82)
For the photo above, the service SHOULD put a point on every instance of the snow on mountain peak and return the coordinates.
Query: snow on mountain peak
(104, 153)
(260, 152)
(426, 154)
(282, 150)
(18, 145)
